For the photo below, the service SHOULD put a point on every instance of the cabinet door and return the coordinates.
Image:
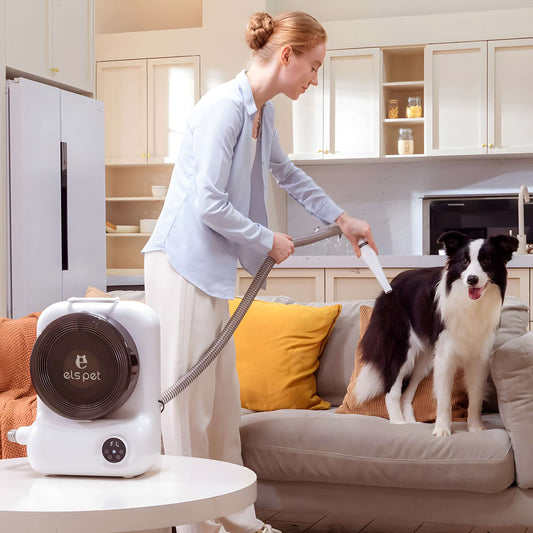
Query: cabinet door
(510, 107)
(27, 46)
(173, 89)
(121, 85)
(351, 103)
(304, 285)
(72, 43)
(456, 98)
(308, 122)
(355, 283)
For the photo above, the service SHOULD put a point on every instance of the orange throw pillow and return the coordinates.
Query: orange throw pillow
(424, 403)
(18, 401)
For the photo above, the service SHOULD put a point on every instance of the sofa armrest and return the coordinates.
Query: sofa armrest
(512, 372)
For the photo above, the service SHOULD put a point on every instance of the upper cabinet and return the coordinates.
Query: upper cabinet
(147, 102)
(469, 98)
(510, 105)
(52, 40)
(479, 97)
(340, 117)
(456, 98)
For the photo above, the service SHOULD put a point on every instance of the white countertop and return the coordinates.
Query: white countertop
(386, 261)
(345, 261)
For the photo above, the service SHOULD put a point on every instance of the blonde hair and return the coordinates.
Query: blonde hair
(296, 29)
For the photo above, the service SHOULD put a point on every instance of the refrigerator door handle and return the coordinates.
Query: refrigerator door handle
(64, 203)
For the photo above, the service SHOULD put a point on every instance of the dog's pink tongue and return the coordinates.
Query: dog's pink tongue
(474, 293)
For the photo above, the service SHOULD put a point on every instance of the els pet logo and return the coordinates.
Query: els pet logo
(82, 363)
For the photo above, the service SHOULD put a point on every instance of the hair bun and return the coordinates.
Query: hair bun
(260, 28)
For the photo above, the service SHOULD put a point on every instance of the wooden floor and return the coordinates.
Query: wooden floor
(289, 523)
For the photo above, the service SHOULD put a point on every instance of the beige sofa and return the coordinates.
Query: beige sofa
(353, 466)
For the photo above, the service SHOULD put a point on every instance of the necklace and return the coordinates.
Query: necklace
(257, 119)
(257, 122)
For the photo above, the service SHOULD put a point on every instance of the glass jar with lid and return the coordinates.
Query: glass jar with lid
(406, 143)
(393, 110)
(414, 107)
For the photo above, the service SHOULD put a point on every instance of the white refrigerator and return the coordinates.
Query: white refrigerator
(56, 195)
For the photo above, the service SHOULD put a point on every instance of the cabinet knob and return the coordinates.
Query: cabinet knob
(491, 145)
(54, 69)
(326, 151)
(320, 151)
(483, 145)
(143, 155)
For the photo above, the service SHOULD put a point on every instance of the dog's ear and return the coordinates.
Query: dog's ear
(505, 245)
(453, 240)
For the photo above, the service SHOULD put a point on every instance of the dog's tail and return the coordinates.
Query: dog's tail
(384, 347)
(369, 384)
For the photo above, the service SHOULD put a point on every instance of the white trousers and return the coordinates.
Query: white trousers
(203, 421)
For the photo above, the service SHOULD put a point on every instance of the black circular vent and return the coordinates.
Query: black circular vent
(84, 366)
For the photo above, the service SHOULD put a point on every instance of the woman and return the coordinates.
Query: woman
(214, 216)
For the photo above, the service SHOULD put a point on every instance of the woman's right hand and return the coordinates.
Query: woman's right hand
(282, 247)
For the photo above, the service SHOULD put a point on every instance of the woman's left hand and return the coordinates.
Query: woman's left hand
(355, 230)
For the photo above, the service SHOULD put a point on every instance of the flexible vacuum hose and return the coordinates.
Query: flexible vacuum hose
(225, 335)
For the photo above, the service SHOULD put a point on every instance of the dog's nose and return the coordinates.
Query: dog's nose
(472, 280)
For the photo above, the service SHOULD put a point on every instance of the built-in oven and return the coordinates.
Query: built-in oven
(477, 216)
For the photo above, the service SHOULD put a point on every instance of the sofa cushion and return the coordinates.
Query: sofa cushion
(322, 446)
(512, 371)
(277, 354)
(424, 402)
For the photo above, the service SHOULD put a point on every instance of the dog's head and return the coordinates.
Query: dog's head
(477, 262)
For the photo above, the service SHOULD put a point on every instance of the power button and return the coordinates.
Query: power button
(114, 450)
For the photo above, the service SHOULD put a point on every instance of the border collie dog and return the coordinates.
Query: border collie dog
(441, 318)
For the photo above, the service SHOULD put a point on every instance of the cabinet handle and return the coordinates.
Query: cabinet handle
(54, 69)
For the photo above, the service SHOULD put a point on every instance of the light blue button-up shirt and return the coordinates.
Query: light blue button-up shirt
(214, 214)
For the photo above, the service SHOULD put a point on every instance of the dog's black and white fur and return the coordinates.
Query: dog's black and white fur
(441, 318)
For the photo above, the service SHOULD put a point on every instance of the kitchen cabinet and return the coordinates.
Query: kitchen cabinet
(305, 285)
(52, 40)
(336, 284)
(147, 103)
(402, 79)
(354, 283)
(478, 97)
(510, 105)
(340, 117)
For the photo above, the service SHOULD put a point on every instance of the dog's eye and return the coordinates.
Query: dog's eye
(485, 262)
(466, 261)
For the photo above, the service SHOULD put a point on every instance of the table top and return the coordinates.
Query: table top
(183, 490)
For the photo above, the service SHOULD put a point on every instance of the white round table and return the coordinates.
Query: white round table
(183, 490)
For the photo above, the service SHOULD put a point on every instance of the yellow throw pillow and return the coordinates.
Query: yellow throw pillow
(278, 347)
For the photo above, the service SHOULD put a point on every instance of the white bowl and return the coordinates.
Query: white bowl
(147, 225)
(159, 191)
(127, 229)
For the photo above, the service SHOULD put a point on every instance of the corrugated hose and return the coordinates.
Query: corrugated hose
(225, 335)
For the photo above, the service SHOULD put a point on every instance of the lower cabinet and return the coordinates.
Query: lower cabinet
(302, 284)
(335, 284)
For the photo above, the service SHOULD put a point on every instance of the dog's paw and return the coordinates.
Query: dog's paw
(397, 421)
(474, 428)
(442, 431)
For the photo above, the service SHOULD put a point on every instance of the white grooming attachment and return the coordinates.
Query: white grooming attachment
(371, 259)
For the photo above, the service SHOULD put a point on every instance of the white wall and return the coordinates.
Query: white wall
(388, 195)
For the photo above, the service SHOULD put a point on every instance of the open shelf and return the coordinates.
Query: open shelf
(403, 77)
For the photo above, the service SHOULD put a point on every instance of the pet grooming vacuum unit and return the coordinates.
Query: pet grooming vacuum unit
(95, 368)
